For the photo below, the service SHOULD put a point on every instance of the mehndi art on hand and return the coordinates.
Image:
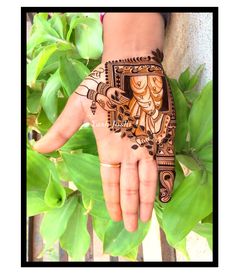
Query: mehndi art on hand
(140, 105)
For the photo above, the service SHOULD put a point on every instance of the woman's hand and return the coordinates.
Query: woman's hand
(129, 186)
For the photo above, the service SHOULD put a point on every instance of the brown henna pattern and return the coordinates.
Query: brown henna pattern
(96, 74)
(140, 106)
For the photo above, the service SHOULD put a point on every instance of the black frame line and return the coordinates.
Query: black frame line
(214, 11)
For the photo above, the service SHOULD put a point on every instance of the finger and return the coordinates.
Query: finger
(65, 126)
(148, 181)
(129, 185)
(110, 105)
(111, 189)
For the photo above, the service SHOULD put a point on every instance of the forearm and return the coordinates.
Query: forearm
(128, 35)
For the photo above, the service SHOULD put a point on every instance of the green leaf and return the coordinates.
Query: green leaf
(76, 239)
(41, 32)
(83, 139)
(42, 122)
(191, 202)
(59, 23)
(79, 18)
(118, 241)
(52, 65)
(64, 49)
(204, 230)
(92, 63)
(37, 87)
(40, 22)
(88, 38)
(36, 65)
(84, 170)
(33, 101)
(181, 246)
(72, 73)
(61, 104)
(36, 203)
(179, 175)
(69, 191)
(81, 69)
(182, 111)
(191, 95)
(42, 176)
(50, 97)
(62, 171)
(74, 21)
(42, 15)
(196, 76)
(200, 119)
(99, 226)
(38, 171)
(55, 194)
(184, 80)
(95, 208)
(188, 161)
(132, 255)
(37, 39)
(55, 221)
(53, 154)
(71, 15)
(208, 219)
(205, 155)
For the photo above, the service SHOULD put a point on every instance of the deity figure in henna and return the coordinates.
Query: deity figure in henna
(139, 105)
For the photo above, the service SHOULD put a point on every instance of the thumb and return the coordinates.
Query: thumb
(69, 121)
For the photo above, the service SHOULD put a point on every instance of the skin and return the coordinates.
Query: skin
(130, 190)
(136, 34)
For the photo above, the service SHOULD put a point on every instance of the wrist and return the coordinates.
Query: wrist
(128, 35)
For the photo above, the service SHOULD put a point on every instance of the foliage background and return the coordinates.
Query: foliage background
(61, 51)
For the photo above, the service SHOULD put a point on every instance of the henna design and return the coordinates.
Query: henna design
(157, 55)
(101, 103)
(102, 88)
(96, 74)
(140, 106)
(92, 95)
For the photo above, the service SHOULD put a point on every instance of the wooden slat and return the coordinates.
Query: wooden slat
(30, 239)
(63, 256)
(35, 241)
(114, 259)
(31, 16)
(168, 253)
(89, 256)
(140, 254)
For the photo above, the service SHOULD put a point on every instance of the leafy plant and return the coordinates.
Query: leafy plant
(191, 203)
(61, 51)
